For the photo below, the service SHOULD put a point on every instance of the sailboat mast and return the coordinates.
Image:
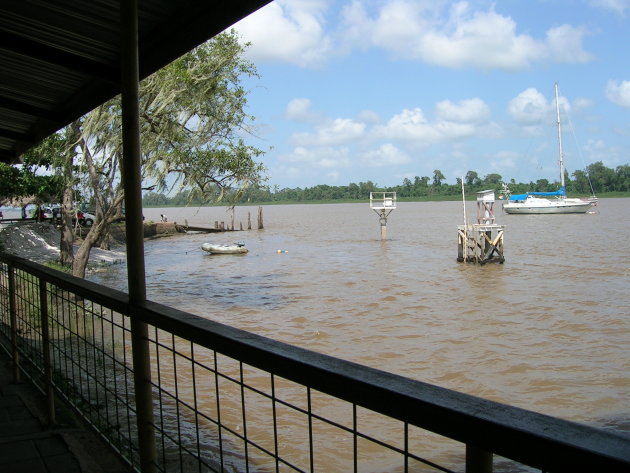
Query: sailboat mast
(559, 137)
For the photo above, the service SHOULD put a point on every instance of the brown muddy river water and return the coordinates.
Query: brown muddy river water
(549, 330)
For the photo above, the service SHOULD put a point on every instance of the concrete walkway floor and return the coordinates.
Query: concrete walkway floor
(28, 445)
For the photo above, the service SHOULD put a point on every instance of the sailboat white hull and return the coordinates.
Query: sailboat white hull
(535, 205)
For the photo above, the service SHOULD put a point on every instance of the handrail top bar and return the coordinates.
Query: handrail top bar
(532, 438)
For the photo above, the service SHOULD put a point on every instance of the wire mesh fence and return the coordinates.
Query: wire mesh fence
(224, 400)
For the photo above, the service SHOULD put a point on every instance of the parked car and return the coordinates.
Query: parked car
(85, 219)
(53, 211)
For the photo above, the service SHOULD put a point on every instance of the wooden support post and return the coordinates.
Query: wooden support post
(476, 244)
(260, 218)
(249, 220)
(478, 461)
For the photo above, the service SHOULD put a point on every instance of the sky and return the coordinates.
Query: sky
(357, 91)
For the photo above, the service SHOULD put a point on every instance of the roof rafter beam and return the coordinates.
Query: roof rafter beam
(52, 55)
(28, 109)
(5, 133)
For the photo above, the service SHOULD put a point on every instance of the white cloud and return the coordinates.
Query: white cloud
(618, 93)
(469, 110)
(300, 110)
(385, 155)
(618, 6)
(564, 45)
(369, 117)
(334, 132)
(441, 33)
(461, 38)
(291, 31)
(322, 157)
(453, 122)
(531, 110)
(530, 107)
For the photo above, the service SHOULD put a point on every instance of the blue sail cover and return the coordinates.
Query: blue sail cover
(559, 192)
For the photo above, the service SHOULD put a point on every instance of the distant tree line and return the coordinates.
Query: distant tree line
(596, 178)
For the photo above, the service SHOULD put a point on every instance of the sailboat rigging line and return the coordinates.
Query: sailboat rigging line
(579, 151)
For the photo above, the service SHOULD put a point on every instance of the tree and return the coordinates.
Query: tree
(472, 179)
(492, 180)
(623, 178)
(438, 177)
(602, 178)
(193, 124)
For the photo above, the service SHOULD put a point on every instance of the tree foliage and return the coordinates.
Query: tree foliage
(34, 177)
(193, 129)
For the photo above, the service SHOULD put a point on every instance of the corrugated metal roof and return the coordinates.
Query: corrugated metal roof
(59, 59)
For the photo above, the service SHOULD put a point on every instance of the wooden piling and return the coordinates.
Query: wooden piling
(480, 243)
(249, 220)
(260, 218)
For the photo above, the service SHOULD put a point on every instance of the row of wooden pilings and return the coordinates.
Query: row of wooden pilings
(220, 226)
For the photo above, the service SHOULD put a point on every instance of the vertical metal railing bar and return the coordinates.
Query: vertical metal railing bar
(13, 321)
(106, 371)
(177, 404)
(128, 410)
(311, 455)
(244, 415)
(83, 340)
(115, 380)
(76, 360)
(62, 342)
(55, 325)
(406, 433)
(193, 373)
(219, 424)
(355, 439)
(48, 382)
(158, 369)
(275, 421)
(96, 382)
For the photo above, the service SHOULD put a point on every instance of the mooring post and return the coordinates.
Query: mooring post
(383, 221)
(383, 203)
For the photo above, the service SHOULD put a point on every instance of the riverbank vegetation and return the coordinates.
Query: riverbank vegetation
(194, 123)
(596, 179)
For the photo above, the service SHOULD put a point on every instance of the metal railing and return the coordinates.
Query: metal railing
(228, 400)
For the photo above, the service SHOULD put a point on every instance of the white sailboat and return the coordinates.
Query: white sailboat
(536, 203)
